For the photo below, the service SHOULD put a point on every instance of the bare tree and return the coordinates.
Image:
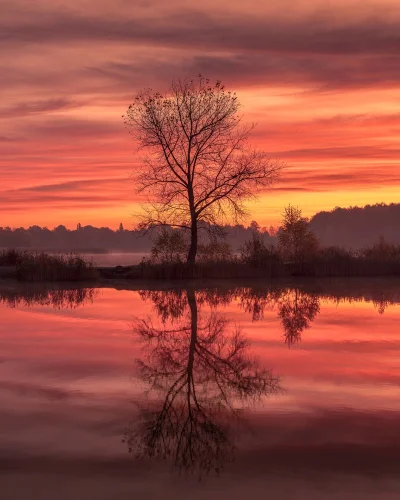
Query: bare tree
(198, 167)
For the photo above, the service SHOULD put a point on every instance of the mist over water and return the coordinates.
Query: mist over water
(113, 259)
(111, 393)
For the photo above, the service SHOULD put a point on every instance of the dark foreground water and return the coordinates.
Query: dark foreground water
(242, 392)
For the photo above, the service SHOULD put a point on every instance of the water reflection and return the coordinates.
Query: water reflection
(296, 308)
(63, 298)
(199, 370)
(204, 375)
(342, 387)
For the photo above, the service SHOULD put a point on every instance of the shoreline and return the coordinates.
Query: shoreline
(8, 279)
(380, 291)
(135, 274)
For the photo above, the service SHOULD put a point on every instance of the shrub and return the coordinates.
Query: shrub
(170, 246)
(382, 251)
(214, 252)
(255, 253)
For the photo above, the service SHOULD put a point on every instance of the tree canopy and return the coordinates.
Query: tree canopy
(198, 167)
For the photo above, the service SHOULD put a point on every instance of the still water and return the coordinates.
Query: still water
(217, 392)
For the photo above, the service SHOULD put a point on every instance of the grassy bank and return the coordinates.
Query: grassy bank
(45, 267)
(264, 264)
(256, 260)
(238, 270)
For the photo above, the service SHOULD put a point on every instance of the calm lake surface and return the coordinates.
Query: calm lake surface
(221, 392)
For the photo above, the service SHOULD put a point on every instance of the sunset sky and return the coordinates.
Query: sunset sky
(321, 79)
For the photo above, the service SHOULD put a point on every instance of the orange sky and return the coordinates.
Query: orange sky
(321, 79)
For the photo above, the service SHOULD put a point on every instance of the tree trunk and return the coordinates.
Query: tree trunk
(191, 258)
(191, 297)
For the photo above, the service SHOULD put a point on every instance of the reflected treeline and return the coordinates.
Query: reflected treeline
(305, 301)
(380, 301)
(58, 298)
(295, 308)
(201, 369)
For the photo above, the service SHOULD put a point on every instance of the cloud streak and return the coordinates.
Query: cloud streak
(323, 85)
(197, 29)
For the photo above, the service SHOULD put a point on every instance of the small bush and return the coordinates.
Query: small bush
(169, 247)
(335, 254)
(215, 252)
(255, 253)
(382, 251)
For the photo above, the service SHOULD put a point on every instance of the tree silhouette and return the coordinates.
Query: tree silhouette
(296, 241)
(204, 375)
(199, 168)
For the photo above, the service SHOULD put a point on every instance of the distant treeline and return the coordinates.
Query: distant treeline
(91, 239)
(353, 227)
(357, 227)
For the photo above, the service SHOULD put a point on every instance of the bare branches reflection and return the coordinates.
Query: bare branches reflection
(202, 370)
(198, 368)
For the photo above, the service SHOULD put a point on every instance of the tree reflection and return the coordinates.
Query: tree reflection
(381, 304)
(199, 365)
(204, 373)
(255, 301)
(61, 298)
(296, 309)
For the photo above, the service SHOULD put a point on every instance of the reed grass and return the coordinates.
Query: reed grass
(10, 257)
(45, 267)
(258, 261)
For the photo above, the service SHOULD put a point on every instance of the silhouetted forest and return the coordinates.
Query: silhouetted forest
(353, 227)
(357, 227)
(102, 239)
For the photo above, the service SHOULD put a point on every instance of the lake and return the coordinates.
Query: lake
(225, 392)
